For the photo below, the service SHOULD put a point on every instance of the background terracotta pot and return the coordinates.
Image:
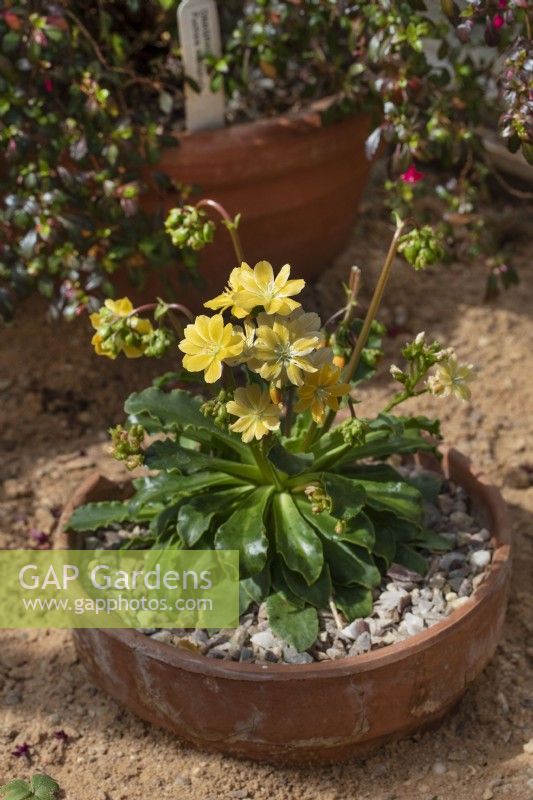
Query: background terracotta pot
(296, 180)
(317, 712)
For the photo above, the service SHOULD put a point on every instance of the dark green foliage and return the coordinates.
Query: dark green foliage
(206, 496)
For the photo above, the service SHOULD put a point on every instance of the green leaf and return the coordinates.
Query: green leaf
(93, 516)
(398, 497)
(245, 531)
(350, 565)
(359, 530)
(44, 787)
(385, 544)
(257, 586)
(429, 484)
(172, 457)
(408, 557)
(347, 495)
(431, 541)
(179, 410)
(165, 488)
(287, 462)
(296, 541)
(298, 627)
(354, 601)
(195, 515)
(16, 790)
(318, 594)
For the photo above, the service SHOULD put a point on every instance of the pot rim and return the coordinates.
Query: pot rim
(310, 116)
(181, 658)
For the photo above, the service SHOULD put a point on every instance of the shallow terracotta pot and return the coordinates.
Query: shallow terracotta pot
(321, 712)
(296, 180)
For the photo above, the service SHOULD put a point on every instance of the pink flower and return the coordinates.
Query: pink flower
(502, 3)
(498, 21)
(48, 85)
(411, 175)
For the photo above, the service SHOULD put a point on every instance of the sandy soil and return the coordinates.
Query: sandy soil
(56, 401)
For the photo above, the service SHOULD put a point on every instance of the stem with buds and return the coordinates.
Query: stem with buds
(377, 297)
(229, 223)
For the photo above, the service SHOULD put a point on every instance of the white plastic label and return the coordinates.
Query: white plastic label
(199, 32)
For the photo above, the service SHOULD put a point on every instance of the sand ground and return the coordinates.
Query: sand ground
(56, 401)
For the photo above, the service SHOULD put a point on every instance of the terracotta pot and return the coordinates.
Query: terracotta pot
(321, 712)
(296, 181)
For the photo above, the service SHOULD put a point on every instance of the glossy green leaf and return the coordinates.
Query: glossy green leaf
(93, 516)
(296, 541)
(245, 531)
(397, 497)
(359, 530)
(180, 411)
(354, 601)
(195, 515)
(165, 488)
(172, 457)
(257, 586)
(347, 495)
(287, 462)
(318, 594)
(298, 627)
(408, 557)
(431, 541)
(350, 565)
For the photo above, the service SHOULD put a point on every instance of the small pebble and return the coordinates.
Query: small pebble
(480, 558)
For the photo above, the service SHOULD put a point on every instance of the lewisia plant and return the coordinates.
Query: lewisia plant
(264, 453)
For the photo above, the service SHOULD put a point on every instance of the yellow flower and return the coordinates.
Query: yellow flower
(111, 345)
(257, 414)
(247, 334)
(281, 353)
(321, 390)
(450, 378)
(227, 299)
(207, 343)
(261, 288)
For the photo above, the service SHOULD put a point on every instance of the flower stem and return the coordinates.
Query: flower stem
(171, 306)
(229, 224)
(266, 468)
(401, 397)
(377, 297)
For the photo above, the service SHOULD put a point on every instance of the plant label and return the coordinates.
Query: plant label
(199, 32)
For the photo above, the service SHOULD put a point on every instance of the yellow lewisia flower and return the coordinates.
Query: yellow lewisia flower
(207, 344)
(281, 353)
(114, 309)
(261, 288)
(257, 414)
(321, 390)
(450, 378)
(228, 297)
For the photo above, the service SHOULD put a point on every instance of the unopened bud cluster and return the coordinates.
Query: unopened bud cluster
(189, 226)
(126, 445)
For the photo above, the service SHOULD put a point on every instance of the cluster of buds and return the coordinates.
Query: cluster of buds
(216, 408)
(422, 247)
(189, 226)
(118, 329)
(450, 378)
(318, 497)
(420, 357)
(354, 431)
(126, 445)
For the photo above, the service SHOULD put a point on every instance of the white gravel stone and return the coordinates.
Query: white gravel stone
(480, 558)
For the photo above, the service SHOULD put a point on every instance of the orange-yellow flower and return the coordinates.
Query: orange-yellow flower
(321, 390)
